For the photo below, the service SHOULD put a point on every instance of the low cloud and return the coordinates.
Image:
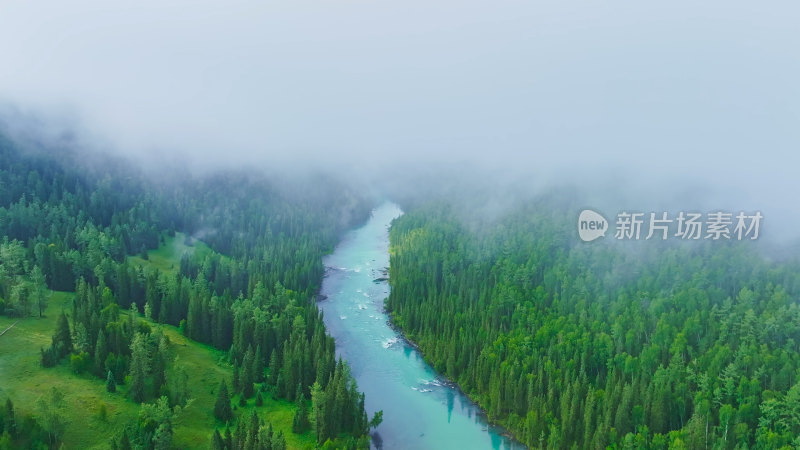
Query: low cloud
(678, 100)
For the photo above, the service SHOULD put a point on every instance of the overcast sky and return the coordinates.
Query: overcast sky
(701, 92)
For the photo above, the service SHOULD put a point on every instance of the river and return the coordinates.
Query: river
(420, 409)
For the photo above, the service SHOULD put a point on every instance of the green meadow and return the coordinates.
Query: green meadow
(23, 379)
(167, 257)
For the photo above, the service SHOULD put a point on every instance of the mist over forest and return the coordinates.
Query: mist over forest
(679, 100)
(355, 225)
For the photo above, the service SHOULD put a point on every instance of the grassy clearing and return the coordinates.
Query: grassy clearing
(23, 379)
(280, 413)
(167, 258)
(206, 367)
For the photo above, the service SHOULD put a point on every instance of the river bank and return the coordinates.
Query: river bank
(422, 409)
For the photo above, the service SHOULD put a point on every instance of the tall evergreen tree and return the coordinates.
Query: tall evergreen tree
(10, 417)
(62, 339)
(300, 423)
(222, 407)
(246, 374)
(139, 367)
(38, 289)
(217, 443)
(100, 353)
(111, 383)
(318, 417)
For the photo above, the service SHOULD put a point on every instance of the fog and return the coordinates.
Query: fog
(662, 101)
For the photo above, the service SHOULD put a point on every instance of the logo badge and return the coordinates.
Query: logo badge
(591, 225)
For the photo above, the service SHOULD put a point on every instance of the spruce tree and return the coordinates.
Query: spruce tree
(258, 366)
(100, 353)
(10, 418)
(139, 367)
(216, 441)
(111, 384)
(273, 368)
(125, 440)
(228, 438)
(246, 374)
(38, 289)
(62, 339)
(222, 408)
(318, 408)
(300, 422)
(279, 442)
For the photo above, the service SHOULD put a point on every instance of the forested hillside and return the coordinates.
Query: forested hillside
(590, 345)
(68, 225)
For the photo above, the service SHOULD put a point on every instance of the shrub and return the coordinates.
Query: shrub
(49, 357)
(79, 363)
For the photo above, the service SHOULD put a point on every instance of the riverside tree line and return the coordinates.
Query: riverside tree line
(602, 345)
(70, 225)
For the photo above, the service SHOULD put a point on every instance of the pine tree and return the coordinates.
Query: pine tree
(159, 364)
(62, 339)
(279, 442)
(239, 435)
(49, 357)
(111, 384)
(10, 418)
(318, 409)
(377, 419)
(38, 289)
(100, 353)
(258, 366)
(252, 431)
(274, 368)
(216, 441)
(228, 438)
(265, 435)
(300, 422)
(222, 408)
(133, 312)
(246, 374)
(139, 367)
(125, 440)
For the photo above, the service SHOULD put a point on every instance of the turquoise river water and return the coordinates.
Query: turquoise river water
(420, 409)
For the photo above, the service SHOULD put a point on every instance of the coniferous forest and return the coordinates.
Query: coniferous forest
(667, 345)
(399, 225)
(576, 345)
(664, 345)
(84, 224)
